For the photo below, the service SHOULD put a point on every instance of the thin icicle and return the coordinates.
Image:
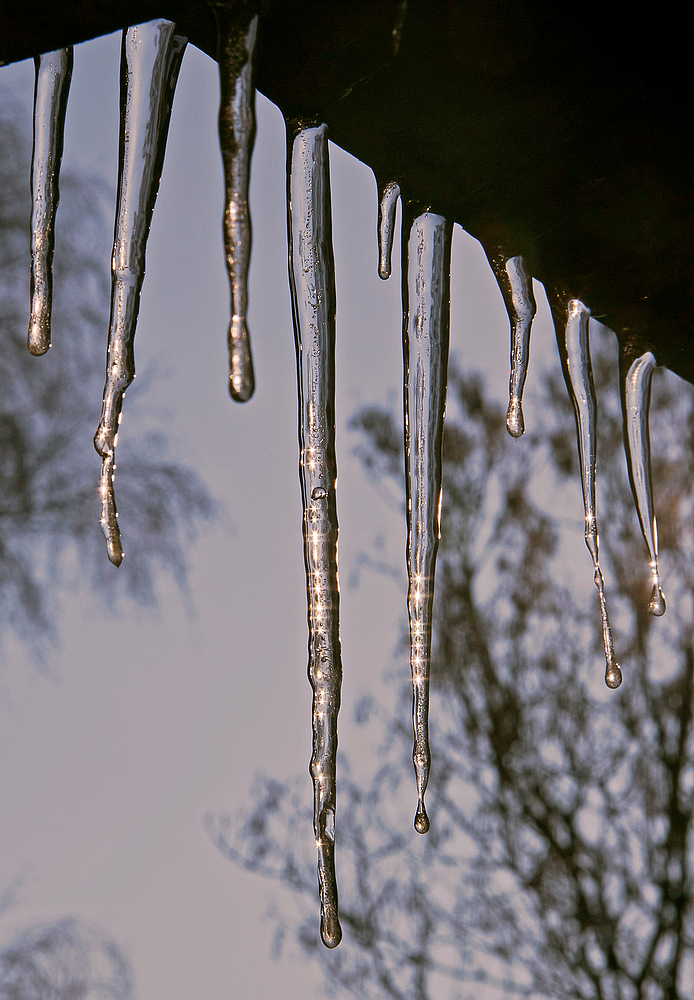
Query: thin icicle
(312, 281)
(151, 57)
(386, 227)
(51, 89)
(636, 401)
(236, 38)
(426, 257)
(517, 289)
(574, 348)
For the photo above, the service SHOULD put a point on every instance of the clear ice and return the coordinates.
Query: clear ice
(386, 227)
(517, 289)
(574, 349)
(312, 282)
(636, 401)
(151, 57)
(426, 319)
(235, 49)
(51, 89)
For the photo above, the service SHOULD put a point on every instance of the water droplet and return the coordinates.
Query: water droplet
(312, 283)
(426, 318)
(151, 56)
(657, 605)
(51, 89)
(421, 820)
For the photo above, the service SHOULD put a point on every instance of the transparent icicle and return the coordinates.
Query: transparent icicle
(574, 348)
(426, 257)
(636, 401)
(312, 281)
(51, 89)
(386, 227)
(517, 289)
(236, 38)
(151, 57)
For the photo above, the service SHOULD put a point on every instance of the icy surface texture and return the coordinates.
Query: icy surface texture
(312, 281)
(574, 349)
(235, 49)
(51, 89)
(151, 57)
(426, 319)
(517, 289)
(636, 401)
(386, 227)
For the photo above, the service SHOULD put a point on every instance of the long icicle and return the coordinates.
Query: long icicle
(574, 349)
(636, 400)
(517, 289)
(312, 282)
(151, 57)
(426, 258)
(386, 227)
(236, 38)
(51, 89)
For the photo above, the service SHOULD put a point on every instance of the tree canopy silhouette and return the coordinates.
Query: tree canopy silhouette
(560, 863)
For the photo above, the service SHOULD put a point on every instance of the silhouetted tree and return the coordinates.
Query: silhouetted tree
(560, 861)
(49, 410)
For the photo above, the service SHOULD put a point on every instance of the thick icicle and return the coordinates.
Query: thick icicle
(51, 89)
(312, 281)
(426, 258)
(517, 289)
(574, 349)
(636, 401)
(151, 57)
(236, 37)
(386, 227)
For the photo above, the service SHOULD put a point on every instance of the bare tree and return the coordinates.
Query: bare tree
(49, 410)
(560, 862)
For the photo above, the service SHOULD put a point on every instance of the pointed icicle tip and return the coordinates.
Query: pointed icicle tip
(330, 930)
(657, 606)
(515, 424)
(241, 374)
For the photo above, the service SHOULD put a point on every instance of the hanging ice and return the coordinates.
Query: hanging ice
(636, 401)
(236, 37)
(426, 258)
(386, 227)
(312, 282)
(151, 57)
(51, 89)
(574, 349)
(517, 289)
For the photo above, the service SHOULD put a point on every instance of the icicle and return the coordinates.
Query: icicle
(574, 348)
(312, 281)
(51, 89)
(636, 401)
(235, 49)
(517, 289)
(151, 57)
(426, 317)
(386, 227)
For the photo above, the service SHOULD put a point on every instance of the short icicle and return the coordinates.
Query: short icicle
(426, 258)
(236, 38)
(386, 227)
(574, 349)
(636, 378)
(151, 57)
(312, 282)
(517, 289)
(51, 89)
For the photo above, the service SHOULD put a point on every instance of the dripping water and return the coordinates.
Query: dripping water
(426, 254)
(636, 401)
(151, 57)
(237, 127)
(386, 227)
(51, 89)
(574, 348)
(517, 289)
(312, 281)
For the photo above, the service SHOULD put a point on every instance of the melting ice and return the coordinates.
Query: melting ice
(517, 289)
(386, 227)
(312, 282)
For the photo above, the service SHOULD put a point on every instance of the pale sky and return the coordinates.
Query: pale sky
(145, 723)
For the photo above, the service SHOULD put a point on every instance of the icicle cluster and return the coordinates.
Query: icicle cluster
(151, 58)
